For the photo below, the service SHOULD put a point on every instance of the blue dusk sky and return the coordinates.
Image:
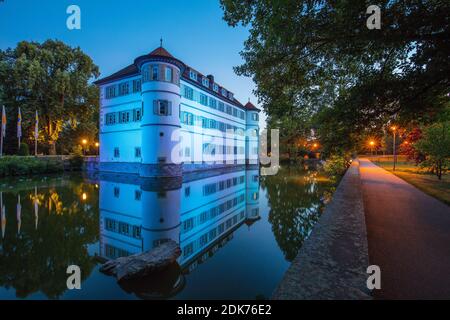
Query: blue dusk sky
(115, 32)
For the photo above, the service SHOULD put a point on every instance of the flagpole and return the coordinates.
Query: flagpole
(36, 133)
(2, 130)
(19, 126)
(1, 143)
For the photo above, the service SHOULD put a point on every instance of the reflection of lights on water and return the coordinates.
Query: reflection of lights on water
(84, 196)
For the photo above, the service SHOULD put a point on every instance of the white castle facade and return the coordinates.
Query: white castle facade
(160, 118)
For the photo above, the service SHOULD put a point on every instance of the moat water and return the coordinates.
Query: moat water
(238, 232)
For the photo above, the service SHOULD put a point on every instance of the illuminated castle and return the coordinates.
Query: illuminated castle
(160, 117)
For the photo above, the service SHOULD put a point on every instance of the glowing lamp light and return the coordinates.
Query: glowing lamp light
(84, 141)
(84, 196)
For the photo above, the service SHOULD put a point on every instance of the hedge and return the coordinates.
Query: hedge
(18, 166)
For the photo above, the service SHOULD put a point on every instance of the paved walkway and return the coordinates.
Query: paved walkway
(408, 236)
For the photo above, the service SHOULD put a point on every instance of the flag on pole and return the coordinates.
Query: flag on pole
(36, 126)
(19, 124)
(3, 122)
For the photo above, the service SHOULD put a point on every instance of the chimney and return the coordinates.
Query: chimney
(211, 78)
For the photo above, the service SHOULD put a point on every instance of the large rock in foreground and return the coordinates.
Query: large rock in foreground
(143, 264)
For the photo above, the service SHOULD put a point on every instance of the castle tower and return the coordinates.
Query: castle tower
(160, 125)
(252, 134)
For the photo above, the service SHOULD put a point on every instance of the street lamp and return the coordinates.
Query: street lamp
(372, 143)
(97, 145)
(84, 142)
(394, 131)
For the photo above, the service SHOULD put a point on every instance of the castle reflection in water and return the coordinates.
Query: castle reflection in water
(200, 212)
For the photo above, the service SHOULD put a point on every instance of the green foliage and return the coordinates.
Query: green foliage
(19, 166)
(319, 58)
(24, 150)
(435, 144)
(53, 79)
(335, 166)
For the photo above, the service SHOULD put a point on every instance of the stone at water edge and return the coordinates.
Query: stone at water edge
(142, 264)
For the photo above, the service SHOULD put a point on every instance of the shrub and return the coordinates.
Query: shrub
(335, 166)
(435, 144)
(17, 166)
(24, 150)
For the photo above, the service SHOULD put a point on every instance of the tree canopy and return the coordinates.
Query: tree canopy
(320, 56)
(54, 79)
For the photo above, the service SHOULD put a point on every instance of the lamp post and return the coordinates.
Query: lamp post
(97, 145)
(84, 142)
(394, 131)
(372, 143)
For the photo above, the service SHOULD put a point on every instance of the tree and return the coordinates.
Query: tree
(53, 79)
(322, 53)
(435, 144)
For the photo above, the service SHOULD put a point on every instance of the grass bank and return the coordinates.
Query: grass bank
(428, 183)
(22, 166)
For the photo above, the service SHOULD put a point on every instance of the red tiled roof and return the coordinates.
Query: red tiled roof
(160, 51)
(250, 106)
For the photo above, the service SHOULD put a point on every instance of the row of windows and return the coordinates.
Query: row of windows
(212, 234)
(212, 213)
(213, 149)
(206, 83)
(194, 95)
(211, 188)
(137, 152)
(126, 116)
(206, 123)
(123, 228)
(122, 89)
(160, 72)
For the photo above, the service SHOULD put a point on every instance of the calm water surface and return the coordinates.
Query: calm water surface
(238, 232)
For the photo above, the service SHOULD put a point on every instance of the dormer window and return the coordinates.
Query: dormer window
(205, 82)
(224, 92)
(215, 87)
(230, 95)
(193, 75)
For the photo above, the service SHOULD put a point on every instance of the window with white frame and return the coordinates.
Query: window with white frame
(255, 116)
(188, 93)
(193, 75)
(137, 152)
(203, 99)
(162, 107)
(215, 87)
(169, 74)
(205, 82)
(110, 92)
(124, 88)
